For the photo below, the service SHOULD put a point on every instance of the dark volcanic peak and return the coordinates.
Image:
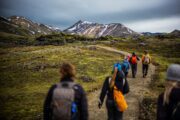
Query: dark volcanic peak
(3, 19)
(98, 30)
(152, 34)
(175, 33)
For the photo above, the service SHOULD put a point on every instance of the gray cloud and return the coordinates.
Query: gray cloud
(64, 13)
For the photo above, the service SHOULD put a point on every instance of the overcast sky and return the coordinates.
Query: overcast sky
(139, 15)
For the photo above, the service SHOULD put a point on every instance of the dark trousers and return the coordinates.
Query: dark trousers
(126, 74)
(113, 112)
(134, 70)
(145, 69)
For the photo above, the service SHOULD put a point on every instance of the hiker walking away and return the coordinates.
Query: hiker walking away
(66, 100)
(114, 113)
(168, 106)
(126, 66)
(133, 61)
(146, 60)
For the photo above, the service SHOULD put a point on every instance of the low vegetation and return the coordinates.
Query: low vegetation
(29, 66)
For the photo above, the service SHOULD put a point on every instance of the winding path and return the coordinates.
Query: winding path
(138, 88)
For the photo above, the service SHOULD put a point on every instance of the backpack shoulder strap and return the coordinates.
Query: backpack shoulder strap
(109, 79)
(175, 109)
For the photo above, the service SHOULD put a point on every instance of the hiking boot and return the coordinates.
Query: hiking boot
(144, 75)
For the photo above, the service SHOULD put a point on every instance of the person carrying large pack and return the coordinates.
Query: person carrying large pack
(133, 61)
(126, 66)
(66, 100)
(115, 87)
(146, 60)
(168, 105)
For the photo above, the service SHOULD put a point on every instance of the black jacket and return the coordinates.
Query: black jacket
(164, 112)
(80, 99)
(106, 88)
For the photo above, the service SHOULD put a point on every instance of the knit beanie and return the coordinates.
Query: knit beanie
(173, 72)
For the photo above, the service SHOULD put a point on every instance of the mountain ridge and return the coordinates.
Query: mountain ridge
(97, 30)
(19, 24)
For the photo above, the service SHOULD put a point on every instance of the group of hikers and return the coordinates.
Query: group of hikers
(67, 100)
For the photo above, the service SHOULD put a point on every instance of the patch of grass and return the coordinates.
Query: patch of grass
(148, 109)
(28, 72)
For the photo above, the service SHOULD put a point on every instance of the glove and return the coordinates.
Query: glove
(99, 104)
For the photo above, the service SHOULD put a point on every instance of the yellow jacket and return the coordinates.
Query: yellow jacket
(146, 59)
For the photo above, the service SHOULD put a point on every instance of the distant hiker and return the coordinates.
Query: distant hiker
(133, 61)
(146, 60)
(128, 57)
(126, 66)
(112, 86)
(66, 100)
(168, 107)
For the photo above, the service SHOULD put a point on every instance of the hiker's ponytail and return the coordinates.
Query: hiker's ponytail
(168, 88)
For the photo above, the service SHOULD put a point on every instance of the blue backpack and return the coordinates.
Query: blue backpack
(125, 66)
(118, 65)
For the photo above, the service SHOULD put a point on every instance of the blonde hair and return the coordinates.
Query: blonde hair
(169, 85)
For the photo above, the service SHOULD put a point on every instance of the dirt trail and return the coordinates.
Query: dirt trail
(138, 88)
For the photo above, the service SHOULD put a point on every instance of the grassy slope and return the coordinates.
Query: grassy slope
(28, 72)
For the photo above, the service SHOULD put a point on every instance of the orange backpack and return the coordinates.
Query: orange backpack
(134, 60)
(119, 99)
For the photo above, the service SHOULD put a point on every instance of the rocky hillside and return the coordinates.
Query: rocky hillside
(21, 26)
(98, 30)
(175, 33)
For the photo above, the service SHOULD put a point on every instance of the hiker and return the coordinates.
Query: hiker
(133, 61)
(168, 106)
(146, 60)
(66, 100)
(126, 66)
(114, 113)
(128, 56)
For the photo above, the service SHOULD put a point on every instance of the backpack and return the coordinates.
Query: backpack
(63, 101)
(133, 59)
(119, 99)
(118, 65)
(125, 66)
(146, 59)
(126, 87)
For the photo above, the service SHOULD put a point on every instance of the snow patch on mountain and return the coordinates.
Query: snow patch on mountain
(103, 30)
(86, 22)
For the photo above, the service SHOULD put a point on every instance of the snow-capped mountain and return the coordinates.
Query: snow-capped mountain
(98, 30)
(13, 23)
